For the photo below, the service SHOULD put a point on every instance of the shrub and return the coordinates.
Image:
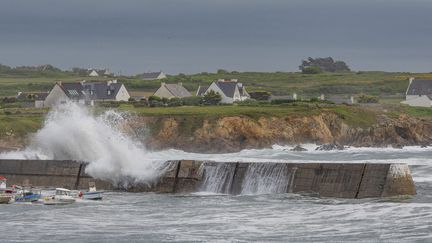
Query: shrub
(260, 95)
(193, 100)
(212, 98)
(155, 103)
(312, 70)
(281, 101)
(154, 98)
(175, 102)
(363, 98)
(141, 103)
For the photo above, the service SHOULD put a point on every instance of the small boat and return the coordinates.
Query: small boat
(27, 196)
(92, 193)
(5, 196)
(62, 197)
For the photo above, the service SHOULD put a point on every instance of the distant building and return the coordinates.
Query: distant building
(172, 90)
(230, 90)
(419, 93)
(86, 92)
(153, 76)
(99, 73)
(33, 99)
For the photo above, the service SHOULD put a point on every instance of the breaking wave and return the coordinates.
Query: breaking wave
(73, 132)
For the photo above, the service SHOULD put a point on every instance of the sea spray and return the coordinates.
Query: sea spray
(73, 132)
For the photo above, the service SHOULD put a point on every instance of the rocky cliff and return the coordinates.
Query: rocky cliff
(231, 134)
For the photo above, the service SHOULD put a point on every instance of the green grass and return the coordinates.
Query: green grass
(278, 83)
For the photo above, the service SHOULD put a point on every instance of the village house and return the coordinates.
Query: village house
(32, 99)
(419, 93)
(86, 92)
(153, 76)
(99, 73)
(172, 90)
(230, 90)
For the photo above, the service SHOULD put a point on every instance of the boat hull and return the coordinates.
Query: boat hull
(93, 195)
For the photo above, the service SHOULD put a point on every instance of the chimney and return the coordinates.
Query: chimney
(114, 81)
(322, 97)
(352, 99)
(109, 82)
(410, 80)
(295, 96)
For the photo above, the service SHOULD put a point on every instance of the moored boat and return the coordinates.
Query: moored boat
(92, 193)
(5, 196)
(62, 197)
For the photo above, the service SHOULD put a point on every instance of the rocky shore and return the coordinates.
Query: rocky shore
(231, 134)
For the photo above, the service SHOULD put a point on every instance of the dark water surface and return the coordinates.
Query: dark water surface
(148, 217)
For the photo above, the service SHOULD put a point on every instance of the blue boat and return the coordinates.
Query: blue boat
(27, 196)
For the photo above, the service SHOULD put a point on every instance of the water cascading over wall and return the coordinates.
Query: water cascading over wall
(253, 178)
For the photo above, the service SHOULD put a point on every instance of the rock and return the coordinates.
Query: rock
(424, 145)
(298, 148)
(330, 146)
(397, 146)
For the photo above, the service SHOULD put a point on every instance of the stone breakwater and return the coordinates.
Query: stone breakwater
(343, 180)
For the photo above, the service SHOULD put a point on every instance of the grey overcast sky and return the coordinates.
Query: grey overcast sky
(133, 36)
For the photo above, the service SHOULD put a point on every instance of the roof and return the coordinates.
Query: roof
(152, 75)
(73, 90)
(202, 90)
(62, 189)
(99, 90)
(177, 90)
(228, 88)
(420, 87)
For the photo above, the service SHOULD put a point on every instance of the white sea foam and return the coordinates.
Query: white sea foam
(72, 132)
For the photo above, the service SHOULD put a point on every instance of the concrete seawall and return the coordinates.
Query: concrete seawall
(344, 180)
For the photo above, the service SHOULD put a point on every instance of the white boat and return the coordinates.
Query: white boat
(5, 197)
(92, 193)
(62, 196)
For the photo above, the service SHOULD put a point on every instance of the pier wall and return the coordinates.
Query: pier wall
(344, 180)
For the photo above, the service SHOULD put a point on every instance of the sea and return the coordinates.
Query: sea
(207, 216)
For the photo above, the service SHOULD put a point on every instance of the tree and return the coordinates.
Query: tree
(260, 95)
(212, 98)
(327, 64)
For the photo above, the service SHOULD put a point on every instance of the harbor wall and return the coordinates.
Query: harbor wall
(343, 180)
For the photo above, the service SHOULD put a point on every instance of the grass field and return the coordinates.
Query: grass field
(279, 83)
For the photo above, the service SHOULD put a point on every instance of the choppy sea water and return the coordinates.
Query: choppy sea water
(149, 217)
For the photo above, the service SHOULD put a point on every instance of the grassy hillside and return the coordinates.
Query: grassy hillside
(279, 83)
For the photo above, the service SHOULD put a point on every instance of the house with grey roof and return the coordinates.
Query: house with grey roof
(98, 73)
(172, 90)
(86, 92)
(230, 90)
(419, 93)
(153, 75)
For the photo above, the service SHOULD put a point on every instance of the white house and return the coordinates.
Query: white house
(153, 75)
(172, 90)
(86, 92)
(419, 93)
(93, 73)
(99, 73)
(230, 90)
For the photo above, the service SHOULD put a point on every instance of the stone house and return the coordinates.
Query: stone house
(33, 99)
(172, 90)
(419, 93)
(230, 90)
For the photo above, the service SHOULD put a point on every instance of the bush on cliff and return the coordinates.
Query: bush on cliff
(193, 100)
